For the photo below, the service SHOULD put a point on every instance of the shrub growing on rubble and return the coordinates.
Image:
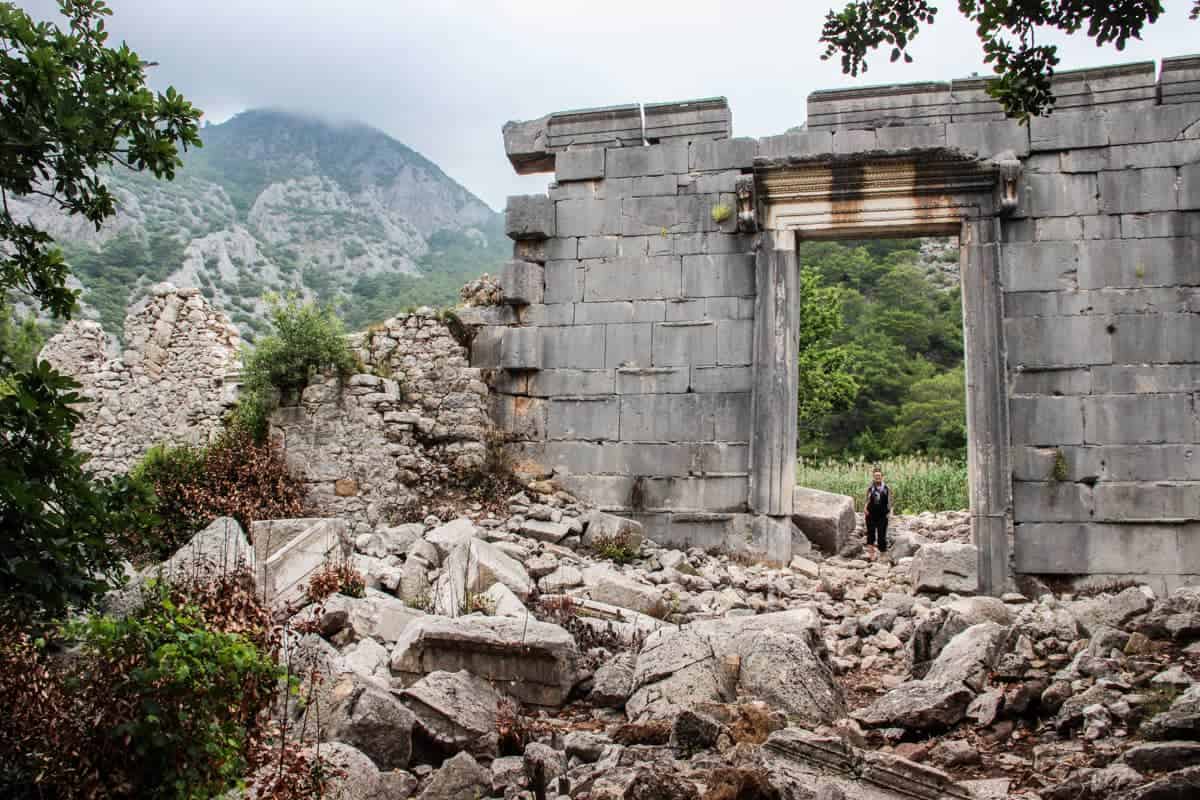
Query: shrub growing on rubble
(306, 340)
(236, 476)
(157, 705)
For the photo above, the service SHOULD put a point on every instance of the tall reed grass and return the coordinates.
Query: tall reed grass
(918, 484)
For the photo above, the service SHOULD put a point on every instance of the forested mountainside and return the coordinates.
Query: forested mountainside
(279, 201)
(899, 341)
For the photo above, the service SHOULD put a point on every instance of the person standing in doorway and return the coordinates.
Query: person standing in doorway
(879, 505)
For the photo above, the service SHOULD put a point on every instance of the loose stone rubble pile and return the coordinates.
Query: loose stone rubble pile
(497, 655)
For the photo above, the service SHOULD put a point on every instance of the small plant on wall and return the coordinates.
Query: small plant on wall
(721, 212)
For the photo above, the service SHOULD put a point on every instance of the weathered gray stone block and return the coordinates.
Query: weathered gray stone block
(911, 137)
(651, 186)
(1056, 501)
(713, 494)
(1180, 79)
(1054, 381)
(688, 120)
(735, 341)
(1044, 266)
(587, 217)
(520, 348)
(603, 491)
(1058, 195)
(1139, 502)
(666, 418)
(684, 343)
(1139, 262)
(652, 216)
(1057, 341)
(794, 146)
(988, 139)
(827, 519)
(620, 311)
(652, 380)
(579, 165)
(527, 146)
(485, 347)
(593, 418)
(1046, 420)
(722, 379)
(718, 275)
(550, 313)
(612, 125)
(1139, 419)
(556, 382)
(599, 247)
(529, 216)
(1158, 379)
(1143, 338)
(637, 278)
(627, 345)
(522, 282)
(575, 347)
(1078, 548)
(657, 159)
(563, 283)
(1138, 190)
(711, 155)
(732, 420)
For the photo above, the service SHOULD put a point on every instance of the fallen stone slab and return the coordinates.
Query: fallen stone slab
(613, 682)
(376, 616)
(284, 576)
(446, 537)
(475, 565)
(1162, 756)
(219, 549)
(533, 661)
(917, 705)
(625, 623)
(271, 535)
(372, 720)
(455, 711)
(968, 658)
(779, 658)
(458, 777)
(1112, 611)
(605, 585)
(545, 531)
(827, 519)
(600, 527)
(839, 767)
(946, 567)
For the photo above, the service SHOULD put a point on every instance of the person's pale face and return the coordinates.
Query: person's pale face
(878, 478)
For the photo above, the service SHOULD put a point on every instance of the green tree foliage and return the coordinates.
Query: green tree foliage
(896, 327)
(71, 106)
(58, 523)
(160, 704)
(21, 339)
(932, 419)
(1008, 32)
(307, 339)
(826, 383)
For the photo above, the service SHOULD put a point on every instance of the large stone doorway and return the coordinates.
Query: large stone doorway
(933, 194)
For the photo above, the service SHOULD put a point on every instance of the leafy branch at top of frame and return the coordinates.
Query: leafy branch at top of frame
(1007, 31)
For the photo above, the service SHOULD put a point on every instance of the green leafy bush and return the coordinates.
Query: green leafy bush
(306, 340)
(58, 522)
(236, 476)
(156, 705)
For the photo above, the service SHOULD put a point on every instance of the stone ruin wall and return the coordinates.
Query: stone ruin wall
(625, 358)
(174, 382)
(366, 447)
(375, 443)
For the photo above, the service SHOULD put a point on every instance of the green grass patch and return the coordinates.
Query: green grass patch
(918, 484)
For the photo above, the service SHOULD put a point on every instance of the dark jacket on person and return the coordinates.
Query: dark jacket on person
(879, 500)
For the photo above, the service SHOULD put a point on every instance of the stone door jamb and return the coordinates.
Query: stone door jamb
(926, 194)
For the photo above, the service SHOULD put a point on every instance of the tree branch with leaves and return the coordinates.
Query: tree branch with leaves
(1007, 29)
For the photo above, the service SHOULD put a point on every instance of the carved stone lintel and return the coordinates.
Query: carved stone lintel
(1008, 174)
(747, 215)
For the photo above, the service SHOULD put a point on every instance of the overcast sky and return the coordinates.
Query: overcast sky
(443, 76)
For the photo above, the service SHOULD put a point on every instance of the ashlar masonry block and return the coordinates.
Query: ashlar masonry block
(1180, 80)
(688, 120)
(579, 165)
(1139, 419)
(685, 343)
(573, 347)
(609, 126)
(638, 278)
(589, 418)
(521, 349)
(728, 275)
(627, 345)
(1130, 191)
(655, 159)
(529, 216)
(522, 283)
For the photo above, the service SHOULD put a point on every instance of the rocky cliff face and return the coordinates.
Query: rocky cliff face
(281, 202)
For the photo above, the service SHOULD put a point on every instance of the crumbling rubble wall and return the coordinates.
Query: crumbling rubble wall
(174, 382)
(625, 354)
(414, 419)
